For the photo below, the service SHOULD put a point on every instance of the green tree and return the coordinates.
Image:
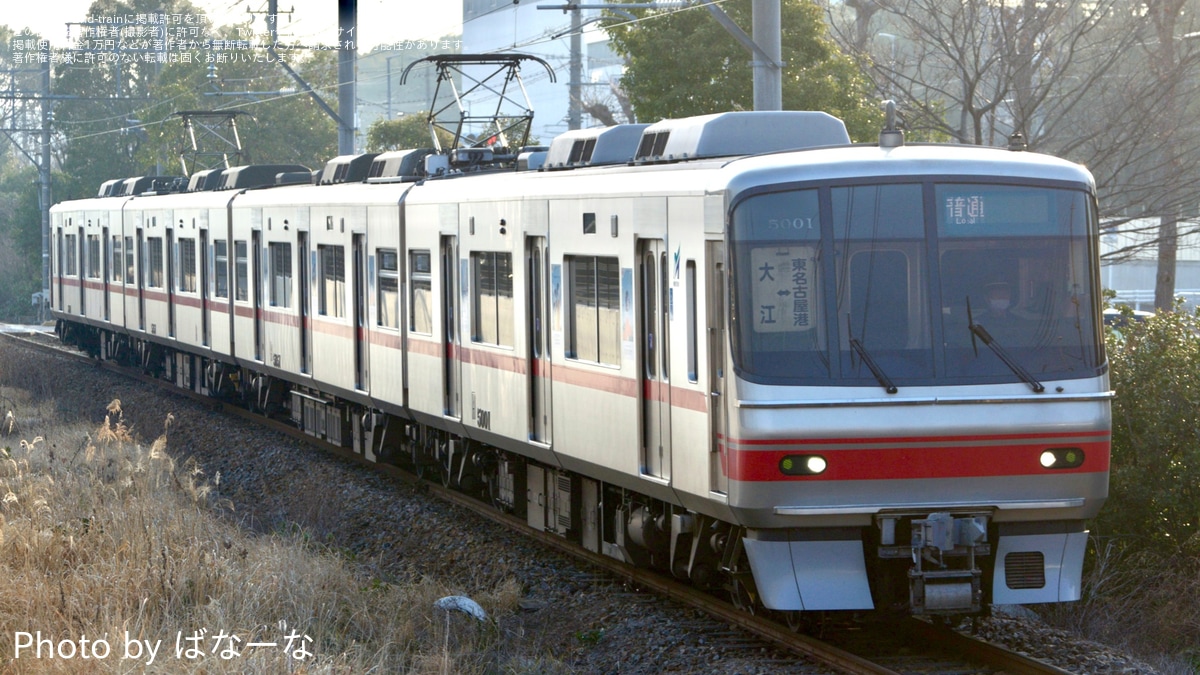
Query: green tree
(100, 123)
(20, 215)
(282, 126)
(114, 119)
(410, 131)
(118, 119)
(1154, 502)
(684, 63)
(20, 243)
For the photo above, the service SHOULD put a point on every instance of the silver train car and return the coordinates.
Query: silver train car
(814, 375)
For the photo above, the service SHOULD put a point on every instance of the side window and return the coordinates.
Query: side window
(187, 265)
(281, 274)
(492, 301)
(332, 280)
(242, 271)
(72, 253)
(221, 263)
(93, 256)
(388, 300)
(154, 262)
(118, 257)
(693, 352)
(594, 329)
(420, 305)
(130, 262)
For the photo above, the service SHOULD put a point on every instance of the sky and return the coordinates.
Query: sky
(312, 21)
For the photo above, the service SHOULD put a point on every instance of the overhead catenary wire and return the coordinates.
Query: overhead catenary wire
(547, 37)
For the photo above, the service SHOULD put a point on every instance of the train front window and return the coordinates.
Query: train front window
(879, 284)
(1014, 260)
(779, 324)
(879, 245)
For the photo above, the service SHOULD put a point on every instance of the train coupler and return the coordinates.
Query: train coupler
(944, 577)
(945, 592)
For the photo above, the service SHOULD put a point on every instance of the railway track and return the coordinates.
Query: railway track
(910, 646)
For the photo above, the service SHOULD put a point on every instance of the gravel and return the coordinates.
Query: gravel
(589, 622)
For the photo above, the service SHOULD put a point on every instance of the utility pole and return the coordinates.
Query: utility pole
(388, 62)
(44, 176)
(14, 116)
(575, 86)
(765, 46)
(43, 162)
(346, 78)
(768, 72)
(347, 85)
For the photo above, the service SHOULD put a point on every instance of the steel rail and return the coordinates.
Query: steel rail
(981, 651)
(765, 629)
(919, 632)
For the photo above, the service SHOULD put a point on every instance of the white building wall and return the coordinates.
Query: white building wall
(1133, 276)
(502, 26)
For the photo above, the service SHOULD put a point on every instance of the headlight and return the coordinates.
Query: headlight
(1062, 458)
(802, 465)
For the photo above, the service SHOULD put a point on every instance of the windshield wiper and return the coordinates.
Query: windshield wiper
(880, 376)
(981, 332)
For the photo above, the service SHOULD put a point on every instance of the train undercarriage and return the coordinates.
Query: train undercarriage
(916, 563)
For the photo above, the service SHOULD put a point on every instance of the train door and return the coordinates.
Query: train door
(59, 268)
(304, 303)
(656, 386)
(105, 261)
(539, 345)
(260, 348)
(81, 256)
(141, 278)
(204, 330)
(359, 289)
(450, 341)
(718, 476)
(172, 253)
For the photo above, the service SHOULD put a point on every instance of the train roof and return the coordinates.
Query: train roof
(181, 200)
(732, 134)
(88, 204)
(869, 161)
(733, 175)
(722, 175)
(724, 153)
(338, 194)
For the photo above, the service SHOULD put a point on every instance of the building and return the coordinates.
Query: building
(508, 26)
(380, 93)
(1132, 275)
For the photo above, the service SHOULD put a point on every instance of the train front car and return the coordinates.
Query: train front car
(917, 416)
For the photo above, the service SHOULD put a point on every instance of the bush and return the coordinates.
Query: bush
(1142, 583)
(1154, 500)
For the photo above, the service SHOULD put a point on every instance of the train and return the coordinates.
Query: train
(738, 348)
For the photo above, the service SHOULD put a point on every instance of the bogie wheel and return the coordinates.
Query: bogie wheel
(743, 596)
(445, 466)
(494, 496)
(424, 471)
(433, 472)
(427, 460)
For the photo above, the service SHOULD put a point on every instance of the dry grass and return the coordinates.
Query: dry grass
(104, 537)
(1140, 602)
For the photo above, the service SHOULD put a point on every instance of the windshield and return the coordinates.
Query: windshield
(882, 283)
